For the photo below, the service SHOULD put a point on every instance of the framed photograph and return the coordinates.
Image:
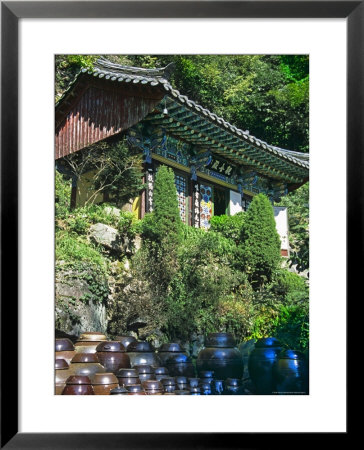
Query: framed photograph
(331, 33)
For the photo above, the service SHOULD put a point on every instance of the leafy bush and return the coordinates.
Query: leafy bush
(287, 282)
(229, 226)
(261, 247)
(62, 195)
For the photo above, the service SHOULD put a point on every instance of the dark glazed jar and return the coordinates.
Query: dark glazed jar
(167, 350)
(119, 391)
(261, 362)
(169, 384)
(222, 358)
(233, 386)
(112, 356)
(206, 376)
(182, 392)
(181, 383)
(160, 373)
(195, 390)
(127, 377)
(205, 387)
(78, 385)
(142, 352)
(145, 372)
(153, 387)
(103, 383)
(64, 349)
(61, 375)
(290, 373)
(86, 364)
(179, 364)
(217, 387)
(125, 340)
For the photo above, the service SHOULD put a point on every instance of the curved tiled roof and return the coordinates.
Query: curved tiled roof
(104, 69)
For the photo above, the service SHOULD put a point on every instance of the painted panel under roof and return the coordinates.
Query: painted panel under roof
(97, 115)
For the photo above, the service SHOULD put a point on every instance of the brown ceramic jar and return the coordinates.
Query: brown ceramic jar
(61, 375)
(125, 340)
(78, 385)
(112, 356)
(127, 376)
(88, 341)
(86, 364)
(103, 383)
(64, 349)
(145, 372)
(153, 387)
(142, 352)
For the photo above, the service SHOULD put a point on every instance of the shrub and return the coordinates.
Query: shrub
(62, 195)
(261, 242)
(229, 226)
(287, 282)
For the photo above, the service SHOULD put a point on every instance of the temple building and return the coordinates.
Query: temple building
(218, 167)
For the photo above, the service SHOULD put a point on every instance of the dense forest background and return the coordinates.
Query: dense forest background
(265, 94)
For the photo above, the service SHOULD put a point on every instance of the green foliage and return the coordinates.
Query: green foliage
(71, 247)
(62, 195)
(229, 226)
(168, 224)
(287, 282)
(297, 203)
(261, 248)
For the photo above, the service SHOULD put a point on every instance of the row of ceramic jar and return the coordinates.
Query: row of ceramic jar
(107, 384)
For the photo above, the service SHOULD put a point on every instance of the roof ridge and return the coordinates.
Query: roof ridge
(158, 72)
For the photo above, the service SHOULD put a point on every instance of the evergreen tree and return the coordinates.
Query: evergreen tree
(261, 252)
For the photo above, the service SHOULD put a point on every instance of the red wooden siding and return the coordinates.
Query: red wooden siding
(99, 114)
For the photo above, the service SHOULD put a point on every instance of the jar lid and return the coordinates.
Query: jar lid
(78, 379)
(104, 378)
(181, 380)
(152, 385)
(268, 342)
(178, 358)
(125, 340)
(233, 382)
(220, 340)
(171, 347)
(134, 388)
(127, 373)
(118, 391)
(92, 336)
(110, 346)
(207, 374)
(161, 371)
(168, 381)
(140, 346)
(143, 368)
(61, 364)
(64, 345)
(85, 358)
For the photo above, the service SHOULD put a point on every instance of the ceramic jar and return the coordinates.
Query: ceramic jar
(218, 387)
(290, 373)
(103, 383)
(160, 373)
(166, 350)
(181, 383)
(61, 375)
(86, 364)
(205, 387)
(64, 349)
(233, 386)
(125, 340)
(142, 352)
(119, 391)
(152, 387)
(195, 390)
(220, 356)
(127, 376)
(206, 376)
(194, 382)
(88, 341)
(135, 389)
(112, 356)
(179, 364)
(145, 372)
(78, 385)
(260, 364)
(169, 384)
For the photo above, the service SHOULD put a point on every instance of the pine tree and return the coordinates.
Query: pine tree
(261, 252)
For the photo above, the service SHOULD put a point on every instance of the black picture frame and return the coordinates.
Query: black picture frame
(11, 12)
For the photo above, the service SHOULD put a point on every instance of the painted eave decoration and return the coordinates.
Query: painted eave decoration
(152, 98)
